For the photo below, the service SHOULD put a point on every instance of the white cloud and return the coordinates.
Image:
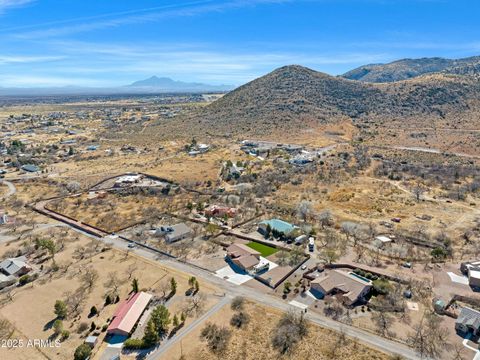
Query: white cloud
(110, 64)
(8, 4)
(22, 59)
(154, 14)
(45, 81)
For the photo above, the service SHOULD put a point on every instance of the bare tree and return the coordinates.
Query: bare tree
(325, 218)
(89, 277)
(217, 337)
(418, 191)
(429, 338)
(289, 331)
(80, 252)
(304, 210)
(195, 304)
(458, 352)
(6, 329)
(73, 187)
(383, 322)
(75, 301)
(113, 284)
(131, 270)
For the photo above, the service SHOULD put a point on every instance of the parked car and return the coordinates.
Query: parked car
(131, 245)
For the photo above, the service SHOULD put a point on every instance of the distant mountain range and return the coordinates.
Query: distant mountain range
(151, 85)
(409, 68)
(394, 72)
(167, 84)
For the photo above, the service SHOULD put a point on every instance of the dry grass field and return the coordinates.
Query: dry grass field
(31, 311)
(115, 212)
(366, 198)
(254, 341)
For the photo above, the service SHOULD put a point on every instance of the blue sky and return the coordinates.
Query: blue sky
(111, 43)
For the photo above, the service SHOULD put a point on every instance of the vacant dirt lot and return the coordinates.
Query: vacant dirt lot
(115, 211)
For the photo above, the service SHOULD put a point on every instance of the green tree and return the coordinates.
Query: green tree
(135, 285)
(197, 286)
(191, 281)
(439, 253)
(57, 327)
(150, 337)
(173, 286)
(382, 286)
(48, 245)
(161, 318)
(211, 228)
(268, 231)
(175, 322)
(60, 309)
(330, 255)
(183, 317)
(82, 352)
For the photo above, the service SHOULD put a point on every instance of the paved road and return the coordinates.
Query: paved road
(11, 189)
(274, 302)
(265, 299)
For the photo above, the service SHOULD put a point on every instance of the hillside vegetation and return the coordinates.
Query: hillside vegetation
(409, 68)
(295, 97)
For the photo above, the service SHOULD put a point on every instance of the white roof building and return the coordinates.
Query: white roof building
(384, 239)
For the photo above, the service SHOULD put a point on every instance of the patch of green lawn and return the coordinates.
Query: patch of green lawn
(264, 250)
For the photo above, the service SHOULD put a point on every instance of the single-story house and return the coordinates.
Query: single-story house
(30, 168)
(128, 313)
(243, 256)
(301, 160)
(7, 280)
(275, 225)
(465, 266)
(175, 232)
(383, 239)
(350, 286)
(220, 211)
(468, 321)
(15, 266)
(474, 277)
(128, 179)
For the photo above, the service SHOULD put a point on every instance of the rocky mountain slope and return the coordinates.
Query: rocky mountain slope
(409, 68)
(295, 97)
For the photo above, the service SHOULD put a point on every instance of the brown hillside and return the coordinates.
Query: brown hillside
(294, 97)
